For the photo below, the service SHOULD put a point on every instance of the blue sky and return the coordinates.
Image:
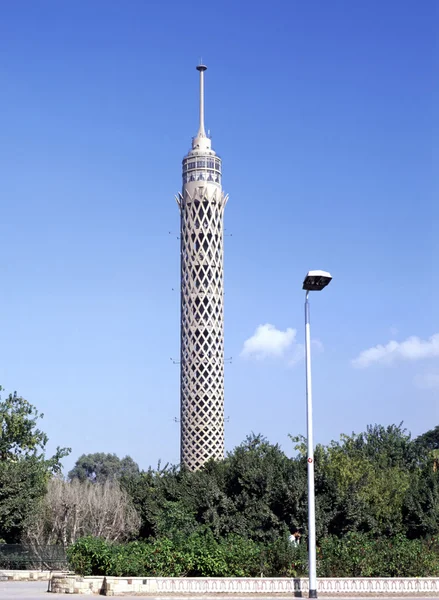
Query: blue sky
(325, 115)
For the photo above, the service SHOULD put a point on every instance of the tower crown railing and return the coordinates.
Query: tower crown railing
(208, 135)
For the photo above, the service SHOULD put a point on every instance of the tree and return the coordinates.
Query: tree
(267, 490)
(24, 469)
(371, 473)
(421, 504)
(379, 482)
(429, 440)
(20, 437)
(22, 484)
(74, 509)
(256, 492)
(100, 467)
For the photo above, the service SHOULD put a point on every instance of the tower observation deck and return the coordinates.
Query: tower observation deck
(201, 204)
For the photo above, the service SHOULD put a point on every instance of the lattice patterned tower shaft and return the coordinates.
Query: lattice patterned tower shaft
(201, 204)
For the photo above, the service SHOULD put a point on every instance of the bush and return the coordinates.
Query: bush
(283, 559)
(202, 555)
(360, 555)
(199, 555)
(93, 556)
(90, 556)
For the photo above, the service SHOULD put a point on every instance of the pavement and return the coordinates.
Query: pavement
(37, 590)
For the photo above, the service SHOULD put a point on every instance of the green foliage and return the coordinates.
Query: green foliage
(377, 504)
(24, 470)
(378, 482)
(20, 437)
(256, 492)
(368, 476)
(420, 511)
(360, 555)
(90, 556)
(22, 485)
(282, 559)
(100, 467)
(199, 555)
(266, 489)
(429, 440)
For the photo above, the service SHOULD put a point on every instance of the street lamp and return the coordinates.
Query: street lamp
(314, 281)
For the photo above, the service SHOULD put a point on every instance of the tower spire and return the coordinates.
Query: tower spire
(201, 130)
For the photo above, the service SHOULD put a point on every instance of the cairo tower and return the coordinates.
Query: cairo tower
(201, 204)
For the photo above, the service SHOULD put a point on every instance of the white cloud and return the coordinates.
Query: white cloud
(427, 381)
(413, 348)
(268, 341)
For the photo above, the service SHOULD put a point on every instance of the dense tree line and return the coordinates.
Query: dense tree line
(379, 482)
(377, 485)
(377, 512)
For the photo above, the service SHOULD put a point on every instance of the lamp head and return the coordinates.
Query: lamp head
(316, 280)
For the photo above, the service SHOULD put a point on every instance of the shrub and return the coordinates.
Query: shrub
(202, 555)
(90, 556)
(360, 555)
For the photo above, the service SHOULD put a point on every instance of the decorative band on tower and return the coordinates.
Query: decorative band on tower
(201, 204)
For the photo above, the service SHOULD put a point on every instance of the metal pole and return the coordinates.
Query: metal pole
(310, 444)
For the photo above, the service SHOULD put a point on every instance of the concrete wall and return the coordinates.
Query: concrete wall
(22, 575)
(114, 586)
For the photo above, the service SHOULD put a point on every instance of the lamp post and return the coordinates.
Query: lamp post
(314, 281)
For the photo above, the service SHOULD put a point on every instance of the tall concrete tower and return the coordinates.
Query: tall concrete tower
(201, 204)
